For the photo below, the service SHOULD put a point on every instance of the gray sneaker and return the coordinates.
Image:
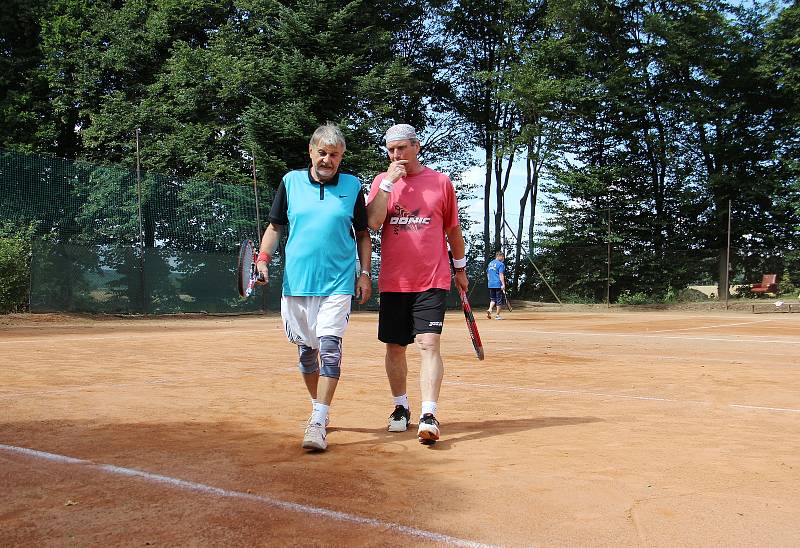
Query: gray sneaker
(315, 437)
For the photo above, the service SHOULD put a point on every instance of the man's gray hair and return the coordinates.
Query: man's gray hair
(328, 134)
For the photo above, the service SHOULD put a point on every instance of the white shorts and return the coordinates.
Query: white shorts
(306, 319)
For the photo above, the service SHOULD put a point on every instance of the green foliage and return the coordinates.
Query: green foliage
(626, 297)
(576, 298)
(15, 249)
(690, 296)
(785, 285)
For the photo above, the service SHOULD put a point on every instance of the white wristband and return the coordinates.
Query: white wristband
(460, 263)
(386, 185)
(366, 273)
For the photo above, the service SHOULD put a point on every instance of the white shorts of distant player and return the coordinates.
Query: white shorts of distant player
(306, 319)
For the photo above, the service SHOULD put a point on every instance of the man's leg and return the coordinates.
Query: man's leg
(430, 380)
(397, 372)
(429, 311)
(309, 368)
(396, 368)
(489, 312)
(330, 320)
(431, 365)
(331, 356)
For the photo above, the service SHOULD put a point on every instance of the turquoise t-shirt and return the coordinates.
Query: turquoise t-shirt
(321, 250)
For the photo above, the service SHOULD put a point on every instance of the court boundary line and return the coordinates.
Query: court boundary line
(202, 488)
(644, 335)
(617, 396)
(709, 326)
(556, 391)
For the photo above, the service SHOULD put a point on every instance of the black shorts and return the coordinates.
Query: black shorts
(403, 316)
(496, 295)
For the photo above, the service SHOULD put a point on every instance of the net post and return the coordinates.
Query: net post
(141, 228)
(728, 258)
(608, 262)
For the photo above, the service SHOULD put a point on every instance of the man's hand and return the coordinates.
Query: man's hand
(462, 283)
(263, 272)
(363, 288)
(397, 170)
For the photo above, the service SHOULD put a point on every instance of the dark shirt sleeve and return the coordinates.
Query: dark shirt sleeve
(279, 213)
(360, 213)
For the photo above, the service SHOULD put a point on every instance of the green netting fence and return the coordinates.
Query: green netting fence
(108, 241)
(91, 252)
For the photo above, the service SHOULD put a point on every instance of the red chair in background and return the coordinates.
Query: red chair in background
(768, 285)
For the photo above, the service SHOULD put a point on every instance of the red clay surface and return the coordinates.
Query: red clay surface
(588, 429)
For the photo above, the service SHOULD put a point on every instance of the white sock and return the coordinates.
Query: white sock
(314, 403)
(428, 407)
(320, 413)
(401, 400)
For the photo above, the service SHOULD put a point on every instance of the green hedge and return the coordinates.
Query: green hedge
(14, 268)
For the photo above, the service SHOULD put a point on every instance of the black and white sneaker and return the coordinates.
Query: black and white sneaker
(399, 419)
(428, 431)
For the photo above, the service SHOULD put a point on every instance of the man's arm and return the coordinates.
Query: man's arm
(269, 243)
(502, 281)
(458, 248)
(364, 282)
(378, 208)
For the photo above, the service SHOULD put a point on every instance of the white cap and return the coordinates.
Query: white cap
(400, 132)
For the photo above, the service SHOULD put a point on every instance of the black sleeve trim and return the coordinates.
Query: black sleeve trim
(279, 213)
(360, 213)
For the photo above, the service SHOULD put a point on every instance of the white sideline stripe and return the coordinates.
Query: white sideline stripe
(226, 493)
(572, 392)
(640, 336)
(708, 326)
(50, 338)
(617, 396)
(758, 407)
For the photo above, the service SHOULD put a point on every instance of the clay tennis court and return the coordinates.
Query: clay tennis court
(581, 429)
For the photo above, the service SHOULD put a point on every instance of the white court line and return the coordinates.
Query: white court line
(639, 336)
(708, 326)
(180, 380)
(615, 396)
(572, 392)
(130, 336)
(758, 407)
(226, 493)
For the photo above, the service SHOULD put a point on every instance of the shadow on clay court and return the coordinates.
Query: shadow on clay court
(454, 433)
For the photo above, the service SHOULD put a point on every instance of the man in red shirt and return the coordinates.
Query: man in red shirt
(417, 209)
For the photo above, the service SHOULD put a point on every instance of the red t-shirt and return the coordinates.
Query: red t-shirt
(413, 248)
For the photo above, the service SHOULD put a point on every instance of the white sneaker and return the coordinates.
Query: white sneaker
(498, 317)
(428, 431)
(315, 437)
(327, 421)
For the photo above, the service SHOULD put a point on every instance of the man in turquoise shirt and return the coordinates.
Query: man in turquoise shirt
(323, 210)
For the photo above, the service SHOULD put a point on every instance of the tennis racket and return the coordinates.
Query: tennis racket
(247, 275)
(472, 327)
(508, 303)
